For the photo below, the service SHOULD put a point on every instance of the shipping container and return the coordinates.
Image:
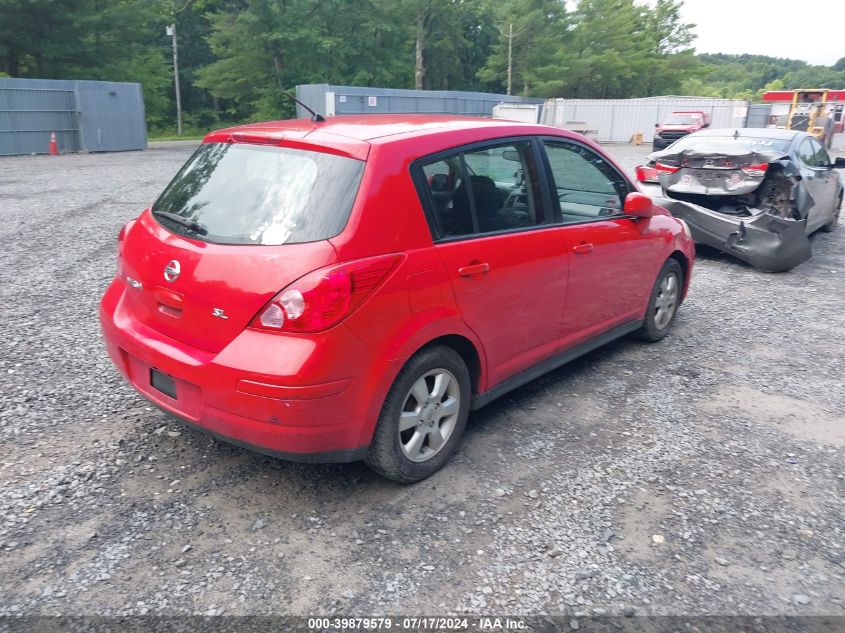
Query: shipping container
(331, 100)
(522, 112)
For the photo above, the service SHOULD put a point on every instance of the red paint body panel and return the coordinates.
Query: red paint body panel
(609, 293)
(516, 308)
(517, 298)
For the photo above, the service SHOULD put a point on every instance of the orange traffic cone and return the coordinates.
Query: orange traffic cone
(54, 147)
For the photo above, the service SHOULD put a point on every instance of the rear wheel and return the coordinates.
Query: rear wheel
(828, 228)
(423, 417)
(664, 301)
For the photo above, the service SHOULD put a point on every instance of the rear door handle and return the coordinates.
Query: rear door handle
(474, 269)
(583, 248)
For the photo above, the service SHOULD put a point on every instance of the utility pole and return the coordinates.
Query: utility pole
(510, 54)
(171, 30)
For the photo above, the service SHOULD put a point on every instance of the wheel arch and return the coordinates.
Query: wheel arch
(470, 352)
(685, 265)
(466, 350)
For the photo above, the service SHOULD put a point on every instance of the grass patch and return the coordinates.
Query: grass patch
(190, 136)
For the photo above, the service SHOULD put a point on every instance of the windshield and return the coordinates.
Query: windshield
(682, 119)
(729, 144)
(236, 193)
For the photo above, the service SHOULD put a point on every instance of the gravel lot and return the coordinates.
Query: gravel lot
(700, 475)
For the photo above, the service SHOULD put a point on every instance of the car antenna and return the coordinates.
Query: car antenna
(317, 118)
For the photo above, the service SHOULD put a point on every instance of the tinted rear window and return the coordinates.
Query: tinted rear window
(730, 144)
(255, 194)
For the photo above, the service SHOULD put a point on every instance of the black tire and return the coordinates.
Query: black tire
(653, 329)
(386, 455)
(830, 226)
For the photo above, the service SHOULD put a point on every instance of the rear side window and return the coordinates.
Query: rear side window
(254, 194)
(485, 190)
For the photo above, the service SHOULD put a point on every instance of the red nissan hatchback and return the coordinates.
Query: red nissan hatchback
(351, 289)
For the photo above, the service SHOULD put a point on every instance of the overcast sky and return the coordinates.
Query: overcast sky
(810, 30)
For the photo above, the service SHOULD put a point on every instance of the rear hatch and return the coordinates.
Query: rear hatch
(237, 224)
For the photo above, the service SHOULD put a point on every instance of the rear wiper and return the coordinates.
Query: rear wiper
(193, 225)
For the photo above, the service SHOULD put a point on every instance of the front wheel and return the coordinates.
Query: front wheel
(664, 302)
(423, 417)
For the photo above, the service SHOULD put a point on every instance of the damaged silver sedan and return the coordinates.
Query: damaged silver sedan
(753, 193)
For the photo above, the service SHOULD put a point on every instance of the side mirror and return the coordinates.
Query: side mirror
(706, 125)
(656, 125)
(638, 204)
(839, 163)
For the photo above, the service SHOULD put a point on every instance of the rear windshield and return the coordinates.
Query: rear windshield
(236, 193)
(682, 119)
(730, 144)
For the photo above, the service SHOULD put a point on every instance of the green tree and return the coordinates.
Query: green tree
(531, 34)
(258, 51)
(608, 51)
(670, 57)
(814, 77)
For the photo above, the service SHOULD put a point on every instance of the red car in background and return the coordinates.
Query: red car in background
(351, 289)
(677, 125)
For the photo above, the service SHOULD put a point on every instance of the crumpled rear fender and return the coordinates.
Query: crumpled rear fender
(766, 242)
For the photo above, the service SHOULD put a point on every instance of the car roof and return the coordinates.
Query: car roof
(353, 135)
(752, 132)
(369, 127)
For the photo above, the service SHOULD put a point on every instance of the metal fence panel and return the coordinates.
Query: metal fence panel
(618, 119)
(330, 100)
(111, 116)
(85, 115)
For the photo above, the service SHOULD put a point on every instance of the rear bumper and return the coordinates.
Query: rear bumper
(302, 398)
(766, 242)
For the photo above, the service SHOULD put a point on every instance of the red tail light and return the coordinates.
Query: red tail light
(326, 296)
(662, 168)
(645, 174)
(120, 237)
(122, 234)
(756, 170)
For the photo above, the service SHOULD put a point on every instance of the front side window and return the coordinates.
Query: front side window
(806, 153)
(682, 119)
(484, 190)
(585, 185)
(820, 156)
(237, 193)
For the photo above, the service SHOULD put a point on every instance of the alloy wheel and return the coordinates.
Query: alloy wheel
(666, 301)
(429, 415)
